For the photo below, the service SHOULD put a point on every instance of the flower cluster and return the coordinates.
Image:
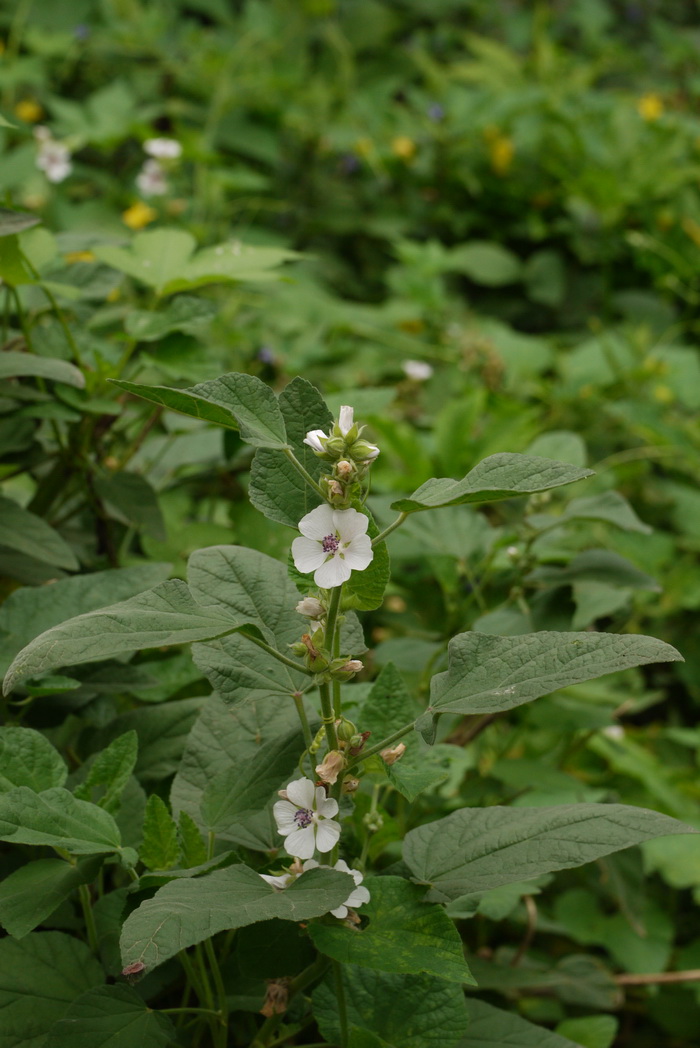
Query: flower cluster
(343, 442)
(357, 897)
(53, 157)
(151, 179)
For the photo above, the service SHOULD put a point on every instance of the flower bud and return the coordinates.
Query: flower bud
(345, 729)
(391, 754)
(316, 440)
(344, 470)
(350, 784)
(335, 446)
(373, 821)
(316, 658)
(357, 743)
(363, 451)
(331, 766)
(298, 648)
(311, 607)
(345, 669)
(346, 419)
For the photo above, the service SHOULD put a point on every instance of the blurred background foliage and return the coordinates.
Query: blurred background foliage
(477, 221)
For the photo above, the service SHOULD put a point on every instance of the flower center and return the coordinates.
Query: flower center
(330, 544)
(303, 817)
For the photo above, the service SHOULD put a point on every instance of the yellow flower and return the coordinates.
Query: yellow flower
(501, 152)
(79, 256)
(403, 147)
(139, 215)
(650, 107)
(29, 111)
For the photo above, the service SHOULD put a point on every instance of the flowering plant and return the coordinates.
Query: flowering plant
(292, 754)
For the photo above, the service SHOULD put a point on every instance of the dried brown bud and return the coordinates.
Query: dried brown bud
(391, 754)
(276, 997)
(350, 784)
(333, 763)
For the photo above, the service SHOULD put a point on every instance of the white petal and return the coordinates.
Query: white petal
(346, 419)
(327, 834)
(358, 897)
(333, 573)
(349, 523)
(300, 844)
(340, 911)
(276, 882)
(313, 439)
(301, 793)
(310, 864)
(359, 554)
(327, 807)
(308, 554)
(284, 813)
(318, 523)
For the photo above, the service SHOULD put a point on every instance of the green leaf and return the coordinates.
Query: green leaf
(186, 313)
(489, 674)
(160, 849)
(387, 708)
(13, 268)
(112, 1017)
(55, 817)
(404, 1011)
(193, 848)
(497, 477)
(485, 263)
(595, 565)
(154, 257)
(12, 222)
(130, 499)
(31, 893)
(39, 977)
(166, 614)
(364, 590)
(404, 935)
(185, 912)
(25, 532)
(610, 507)
(162, 733)
(110, 772)
(32, 610)
(27, 758)
(491, 1027)
(235, 401)
(232, 261)
(17, 365)
(591, 1031)
(476, 849)
(276, 488)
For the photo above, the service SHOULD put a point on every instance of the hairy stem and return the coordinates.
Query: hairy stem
(304, 473)
(387, 531)
(277, 654)
(381, 745)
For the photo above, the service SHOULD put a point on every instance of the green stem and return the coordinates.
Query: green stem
(86, 903)
(304, 473)
(340, 1001)
(332, 617)
(328, 716)
(387, 531)
(277, 654)
(381, 745)
(179, 1011)
(220, 989)
(299, 703)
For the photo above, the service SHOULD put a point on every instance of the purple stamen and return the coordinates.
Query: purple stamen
(330, 544)
(303, 817)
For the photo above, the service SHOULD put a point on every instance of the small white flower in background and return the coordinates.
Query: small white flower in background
(151, 180)
(163, 148)
(418, 370)
(305, 819)
(357, 897)
(333, 543)
(614, 731)
(53, 157)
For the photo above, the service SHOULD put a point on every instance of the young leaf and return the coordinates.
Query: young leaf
(167, 614)
(25, 532)
(491, 1027)
(194, 851)
(56, 818)
(404, 934)
(160, 849)
(489, 674)
(185, 912)
(31, 893)
(27, 758)
(39, 977)
(476, 849)
(432, 1012)
(112, 1017)
(109, 773)
(497, 477)
(235, 401)
(276, 488)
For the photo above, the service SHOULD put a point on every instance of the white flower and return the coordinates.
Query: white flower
(305, 820)
(357, 897)
(314, 439)
(346, 419)
(311, 608)
(53, 158)
(163, 148)
(418, 370)
(334, 543)
(151, 179)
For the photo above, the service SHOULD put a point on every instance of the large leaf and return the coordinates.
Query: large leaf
(501, 476)
(403, 1011)
(27, 758)
(25, 532)
(489, 674)
(56, 818)
(404, 934)
(19, 365)
(39, 978)
(235, 401)
(109, 773)
(129, 498)
(31, 610)
(276, 487)
(185, 912)
(476, 849)
(112, 1017)
(491, 1027)
(610, 507)
(31, 893)
(12, 222)
(167, 614)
